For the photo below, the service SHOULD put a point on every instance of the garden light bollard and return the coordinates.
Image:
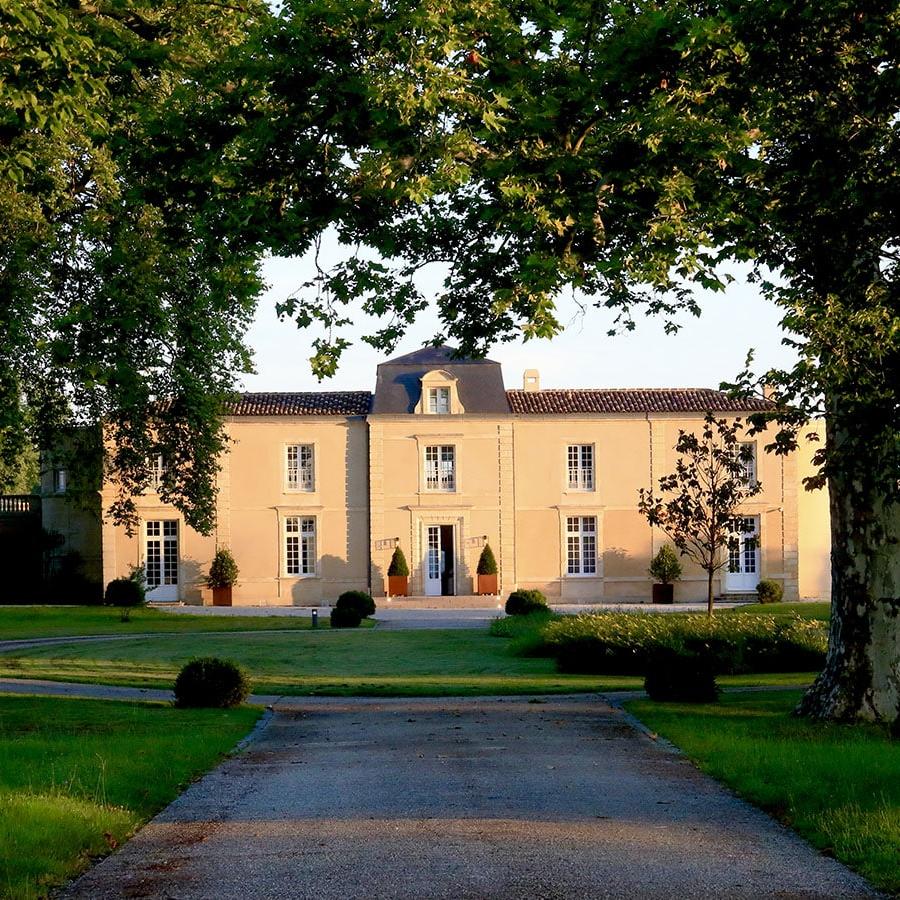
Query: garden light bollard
(315, 618)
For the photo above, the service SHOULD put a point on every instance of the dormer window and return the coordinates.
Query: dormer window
(440, 394)
(439, 400)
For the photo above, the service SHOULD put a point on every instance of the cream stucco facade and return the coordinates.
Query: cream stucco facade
(318, 489)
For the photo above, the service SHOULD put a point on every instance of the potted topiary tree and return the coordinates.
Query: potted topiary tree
(665, 568)
(223, 574)
(398, 575)
(487, 572)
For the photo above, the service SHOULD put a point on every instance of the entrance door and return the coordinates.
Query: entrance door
(433, 561)
(438, 562)
(743, 558)
(161, 560)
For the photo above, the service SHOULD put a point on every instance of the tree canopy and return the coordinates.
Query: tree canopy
(122, 300)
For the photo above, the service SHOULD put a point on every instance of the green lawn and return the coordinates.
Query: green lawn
(821, 611)
(58, 621)
(838, 785)
(451, 662)
(78, 777)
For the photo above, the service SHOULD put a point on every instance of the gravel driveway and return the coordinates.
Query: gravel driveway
(483, 797)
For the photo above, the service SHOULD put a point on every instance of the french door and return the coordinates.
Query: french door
(438, 562)
(161, 560)
(743, 558)
(432, 561)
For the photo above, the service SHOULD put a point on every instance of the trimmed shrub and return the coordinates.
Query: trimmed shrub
(345, 617)
(357, 600)
(769, 591)
(665, 566)
(623, 643)
(124, 592)
(211, 682)
(398, 566)
(487, 565)
(522, 602)
(223, 572)
(681, 676)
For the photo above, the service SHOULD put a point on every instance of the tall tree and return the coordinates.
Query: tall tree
(698, 504)
(629, 151)
(120, 300)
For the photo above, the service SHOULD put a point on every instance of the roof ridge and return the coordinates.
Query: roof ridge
(621, 389)
(297, 393)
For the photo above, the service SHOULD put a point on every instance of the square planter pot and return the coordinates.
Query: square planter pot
(487, 584)
(663, 593)
(222, 596)
(398, 585)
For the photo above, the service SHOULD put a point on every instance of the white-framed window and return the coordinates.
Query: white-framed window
(439, 400)
(581, 545)
(300, 545)
(746, 453)
(580, 459)
(60, 481)
(300, 467)
(440, 467)
(156, 466)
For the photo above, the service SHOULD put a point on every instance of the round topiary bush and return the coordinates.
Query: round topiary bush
(682, 677)
(345, 617)
(358, 600)
(522, 602)
(769, 591)
(211, 682)
(124, 592)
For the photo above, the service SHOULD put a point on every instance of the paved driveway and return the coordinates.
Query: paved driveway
(461, 799)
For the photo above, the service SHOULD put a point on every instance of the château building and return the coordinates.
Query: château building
(319, 488)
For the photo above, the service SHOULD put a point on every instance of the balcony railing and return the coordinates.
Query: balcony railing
(19, 504)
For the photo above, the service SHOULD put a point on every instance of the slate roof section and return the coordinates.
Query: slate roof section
(629, 400)
(308, 403)
(479, 381)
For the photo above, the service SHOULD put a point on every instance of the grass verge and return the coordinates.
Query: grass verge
(20, 622)
(451, 662)
(77, 777)
(837, 785)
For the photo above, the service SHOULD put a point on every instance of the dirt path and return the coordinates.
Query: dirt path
(500, 798)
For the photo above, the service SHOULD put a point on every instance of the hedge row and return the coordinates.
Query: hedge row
(625, 643)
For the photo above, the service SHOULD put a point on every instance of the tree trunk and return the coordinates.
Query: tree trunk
(709, 593)
(861, 678)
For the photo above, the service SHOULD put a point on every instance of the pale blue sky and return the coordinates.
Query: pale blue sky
(705, 352)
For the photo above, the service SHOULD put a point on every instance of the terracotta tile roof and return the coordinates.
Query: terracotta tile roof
(628, 400)
(310, 403)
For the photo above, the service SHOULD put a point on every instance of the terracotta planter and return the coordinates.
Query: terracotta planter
(487, 584)
(398, 585)
(222, 596)
(663, 593)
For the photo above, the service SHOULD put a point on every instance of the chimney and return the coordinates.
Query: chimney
(531, 380)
